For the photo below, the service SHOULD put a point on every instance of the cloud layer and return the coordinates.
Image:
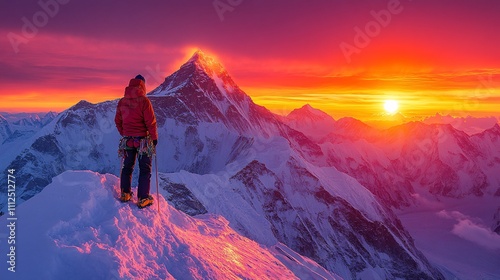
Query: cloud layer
(472, 230)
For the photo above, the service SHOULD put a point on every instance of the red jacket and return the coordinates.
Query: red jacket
(134, 113)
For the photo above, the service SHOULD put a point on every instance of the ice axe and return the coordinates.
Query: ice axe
(157, 190)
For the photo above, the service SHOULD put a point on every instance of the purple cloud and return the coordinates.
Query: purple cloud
(472, 230)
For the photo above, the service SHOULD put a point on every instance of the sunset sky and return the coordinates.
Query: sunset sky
(344, 57)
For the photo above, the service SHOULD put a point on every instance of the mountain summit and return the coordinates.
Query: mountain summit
(200, 66)
(310, 121)
(207, 63)
(203, 90)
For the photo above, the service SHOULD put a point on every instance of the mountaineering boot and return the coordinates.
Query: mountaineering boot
(126, 196)
(145, 202)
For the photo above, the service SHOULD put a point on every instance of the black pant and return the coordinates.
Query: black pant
(144, 173)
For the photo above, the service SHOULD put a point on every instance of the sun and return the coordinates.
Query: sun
(391, 106)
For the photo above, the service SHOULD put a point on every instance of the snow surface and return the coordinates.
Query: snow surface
(77, 229)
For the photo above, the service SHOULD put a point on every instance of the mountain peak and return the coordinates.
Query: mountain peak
(206, 63)
(307, 111)
(307, 107)
(199, 69)
(310, 121)
(198, 54)
(495, 129)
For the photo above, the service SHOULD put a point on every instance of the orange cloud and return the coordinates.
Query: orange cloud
(54, 72)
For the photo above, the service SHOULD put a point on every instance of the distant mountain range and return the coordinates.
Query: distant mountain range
(469, 125)
(16, 126)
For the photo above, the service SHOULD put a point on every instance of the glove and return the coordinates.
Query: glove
(155, 142)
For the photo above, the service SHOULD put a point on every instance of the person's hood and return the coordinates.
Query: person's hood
(136, 88)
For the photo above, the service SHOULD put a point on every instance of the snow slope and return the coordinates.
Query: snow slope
(77, 229)
(320, 213)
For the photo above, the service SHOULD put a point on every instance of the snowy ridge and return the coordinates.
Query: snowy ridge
(116, 240)
(469, 125)
(75, 140)
(414, 158)
(310, 121)
(210, 94)
(15, 127)
(310, 218)
(5, 130)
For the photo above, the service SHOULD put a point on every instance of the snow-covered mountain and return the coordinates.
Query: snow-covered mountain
(446, 161)
(281, 162)
(207, 93)
(15, 127)
(414, 159)
(275, 183)
(29, 119)
(70, 142)
(469, 125)
(444, 182)
(79, 230)
(5, 130)
(310, 121)
(355, 236)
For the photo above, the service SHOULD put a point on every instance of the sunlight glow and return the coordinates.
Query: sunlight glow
(391, 106)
